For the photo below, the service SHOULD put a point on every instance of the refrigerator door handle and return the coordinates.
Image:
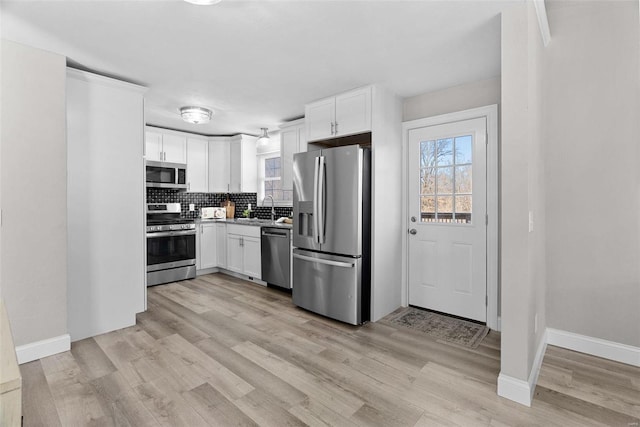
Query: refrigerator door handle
(325, 261)
(321, 199)
(316, 236)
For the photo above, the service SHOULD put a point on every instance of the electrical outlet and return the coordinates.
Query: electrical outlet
(530, 221)
(192, 207)
(535, 324)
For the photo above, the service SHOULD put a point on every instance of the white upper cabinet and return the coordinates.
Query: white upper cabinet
(345, 114)
(292, 141)
(197, 165)
(219, 161)
(175, 148)
(244, 164)
(153, 143)
(320, 119)
(165, 147)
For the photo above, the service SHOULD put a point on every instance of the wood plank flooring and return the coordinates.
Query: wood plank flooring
(219, 351)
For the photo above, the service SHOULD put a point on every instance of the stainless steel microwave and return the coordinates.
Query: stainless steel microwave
(166, 175)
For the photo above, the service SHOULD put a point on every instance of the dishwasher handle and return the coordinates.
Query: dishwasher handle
(272, 234)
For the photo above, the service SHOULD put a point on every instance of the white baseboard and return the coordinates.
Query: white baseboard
(514, 389)
(522, 391)
(39, 349)
(594, 346)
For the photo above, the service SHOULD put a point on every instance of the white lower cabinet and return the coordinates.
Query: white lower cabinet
(243, 250)
(221, 243)
(208, 245)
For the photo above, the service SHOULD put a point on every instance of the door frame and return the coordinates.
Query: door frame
(490, 114)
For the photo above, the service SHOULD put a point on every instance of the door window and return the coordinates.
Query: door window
(446, 180)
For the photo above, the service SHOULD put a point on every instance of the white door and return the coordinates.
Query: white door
(447, 218)
(252, 257)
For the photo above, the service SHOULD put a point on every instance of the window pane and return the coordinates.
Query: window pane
(444, 152)
(463, 209)
(463, 179)
(428, 181)
(445, 208)
(464, 149)
(272, 167)
(427, 154)
(287, 195)
(427, 209)
(445, 180)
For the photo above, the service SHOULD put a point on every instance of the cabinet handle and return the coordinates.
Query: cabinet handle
(331, 128)
(201, 229)
(336, 126)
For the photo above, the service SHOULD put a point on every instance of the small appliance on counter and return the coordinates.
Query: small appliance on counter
(171, 244)
(213, 213)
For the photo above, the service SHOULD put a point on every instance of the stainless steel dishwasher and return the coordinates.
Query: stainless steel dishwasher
(276, 256)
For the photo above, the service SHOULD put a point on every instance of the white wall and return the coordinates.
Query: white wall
(592, 117)
(453, 99)
(34, 192)
(106, 222)
(522, 192)
(386, 203)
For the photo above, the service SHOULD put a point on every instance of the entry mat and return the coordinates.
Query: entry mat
(440, 326)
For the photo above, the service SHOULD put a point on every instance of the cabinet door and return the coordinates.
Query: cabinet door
(208, 246)
(319, 118)
(249, 178)
(153, 146)
(221, 242)
(236, 166)
(353, 112)
(197, 165)
(219, 161)
(252, 257)
(288, 147)
(175, 148)
(235, 253)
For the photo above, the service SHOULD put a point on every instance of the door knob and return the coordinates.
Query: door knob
(413, 231)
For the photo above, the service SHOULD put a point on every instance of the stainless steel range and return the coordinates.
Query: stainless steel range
(171, 244)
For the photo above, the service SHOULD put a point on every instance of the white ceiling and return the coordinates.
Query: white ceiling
(256, 63)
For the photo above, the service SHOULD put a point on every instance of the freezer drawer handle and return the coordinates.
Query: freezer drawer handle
(325, 261)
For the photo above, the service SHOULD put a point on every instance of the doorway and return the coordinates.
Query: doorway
(451, 214)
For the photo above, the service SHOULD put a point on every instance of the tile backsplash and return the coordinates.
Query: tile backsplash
(201, 200)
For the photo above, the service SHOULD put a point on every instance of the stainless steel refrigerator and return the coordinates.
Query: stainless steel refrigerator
(331, 232)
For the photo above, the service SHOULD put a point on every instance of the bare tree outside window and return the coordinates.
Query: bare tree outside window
(445, 180)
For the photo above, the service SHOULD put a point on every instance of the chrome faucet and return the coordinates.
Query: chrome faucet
(273, 209)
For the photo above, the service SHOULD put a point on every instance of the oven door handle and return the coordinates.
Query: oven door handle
(171, 234)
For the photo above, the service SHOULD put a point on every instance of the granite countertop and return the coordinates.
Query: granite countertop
(253, 222)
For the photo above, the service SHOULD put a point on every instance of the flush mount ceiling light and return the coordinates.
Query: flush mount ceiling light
(203, 2)
(264, 138)
(195, 115)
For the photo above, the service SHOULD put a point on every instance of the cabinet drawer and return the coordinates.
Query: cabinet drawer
(244, 230)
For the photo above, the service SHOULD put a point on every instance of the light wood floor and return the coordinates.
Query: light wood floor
(219, 351)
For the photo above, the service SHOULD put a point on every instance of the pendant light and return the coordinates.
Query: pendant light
(264, 138)
(196, 115)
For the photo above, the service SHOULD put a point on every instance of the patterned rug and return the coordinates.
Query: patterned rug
(439, 326)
